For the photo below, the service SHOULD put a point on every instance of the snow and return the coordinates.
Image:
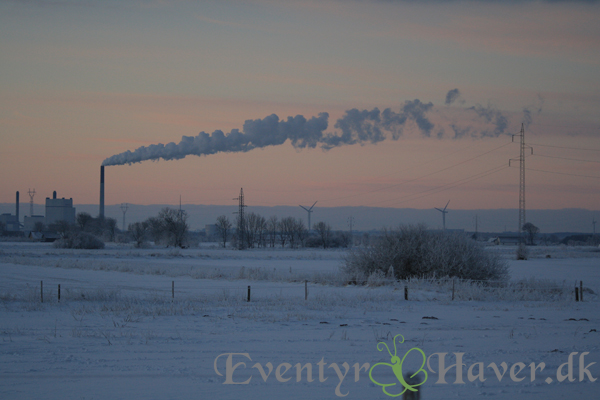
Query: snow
(118, 334)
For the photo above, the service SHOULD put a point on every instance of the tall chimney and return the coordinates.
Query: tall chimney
(101, 214)
(17, 206)
(54, 195)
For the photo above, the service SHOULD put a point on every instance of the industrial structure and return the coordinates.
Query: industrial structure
(101, 211)
(59, 210)
(11, 222)
(309, 210)
(444, 212)
(56, 210)
(522, 208)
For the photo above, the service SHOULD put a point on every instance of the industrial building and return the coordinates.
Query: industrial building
(59, 210)
(11, 222)
(30, 222)
(56, 210)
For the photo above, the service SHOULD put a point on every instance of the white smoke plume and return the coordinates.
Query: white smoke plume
(356, 127)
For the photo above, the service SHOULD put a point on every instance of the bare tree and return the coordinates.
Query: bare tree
(531, 230)
(39, 226)
(155, 229)
(286, 231)
(110, 227)
(250, 227)
(301, 233)
(174, 223)
(139, 232)
(63, 228)
(223, 228)
(261, 229)
(324, 232)
(272, 226)
(83, 220)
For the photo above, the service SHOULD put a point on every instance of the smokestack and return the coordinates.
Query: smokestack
(54, 195)
(17, 206)
(101, 214)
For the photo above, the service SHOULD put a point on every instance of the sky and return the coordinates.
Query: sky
(390, 103)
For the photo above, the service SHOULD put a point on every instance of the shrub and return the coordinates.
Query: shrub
(412, 251)
(80, 240)
(522, 252)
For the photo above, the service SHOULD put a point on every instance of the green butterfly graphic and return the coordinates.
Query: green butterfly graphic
(396, 365)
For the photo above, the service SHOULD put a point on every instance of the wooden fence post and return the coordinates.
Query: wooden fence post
(248, 293)
(405, 292)
(580, 290)
(173, 289)
(410, 395)
(576, 293)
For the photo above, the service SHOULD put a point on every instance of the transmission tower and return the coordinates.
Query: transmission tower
(31, 194)
(522, 218)
(124, 207)
(241, 221)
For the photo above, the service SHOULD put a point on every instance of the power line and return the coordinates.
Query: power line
(563, 147)
(563, 173)
(566, 158)
(422, 176)
(444, 187)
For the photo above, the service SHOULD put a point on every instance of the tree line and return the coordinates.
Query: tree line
(255, 231)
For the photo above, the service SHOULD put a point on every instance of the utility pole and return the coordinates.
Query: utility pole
(241, 221)
(124, 207)
(31, 194)
(522, 218)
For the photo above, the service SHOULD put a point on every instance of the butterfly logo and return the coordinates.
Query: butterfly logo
(396, 365)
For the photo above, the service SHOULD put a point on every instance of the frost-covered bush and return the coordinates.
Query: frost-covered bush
(522, 252)
(79, 240)
(412, 251)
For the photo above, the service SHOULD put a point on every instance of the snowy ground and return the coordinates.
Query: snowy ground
(118, 334)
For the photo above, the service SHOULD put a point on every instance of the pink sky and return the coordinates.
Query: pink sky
(84, 81)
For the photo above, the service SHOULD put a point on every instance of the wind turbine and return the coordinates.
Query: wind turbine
(309, 210)
(444, 212)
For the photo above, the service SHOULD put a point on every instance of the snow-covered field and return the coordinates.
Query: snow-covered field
(117, 333)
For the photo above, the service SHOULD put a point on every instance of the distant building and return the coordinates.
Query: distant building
(211, 230)
(11, 223)
(29, 222)
(43, 236)
(59, 210)
(506, 240)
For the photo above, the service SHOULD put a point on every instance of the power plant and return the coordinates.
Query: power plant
(55, 210)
